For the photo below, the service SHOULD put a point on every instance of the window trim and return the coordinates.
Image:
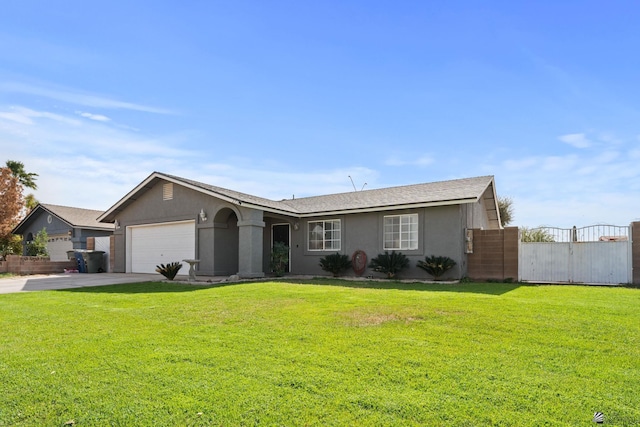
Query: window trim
(400, 232)
(324, 239)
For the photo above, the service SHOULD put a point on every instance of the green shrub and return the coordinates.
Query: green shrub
(539, 235)
(436, 265)
(279, 258)
(10, 245)
(389, 263)
(335, 263)
(170, 270)
(38, 247)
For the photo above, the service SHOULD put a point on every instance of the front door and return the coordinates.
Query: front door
(282, 233)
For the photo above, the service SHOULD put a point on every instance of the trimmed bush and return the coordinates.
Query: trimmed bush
(335, 263)
(436, 265)
(389, 263)
(279, 258)
(170, 270)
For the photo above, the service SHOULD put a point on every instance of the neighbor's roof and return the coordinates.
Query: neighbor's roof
(75, 217)
(458, 191)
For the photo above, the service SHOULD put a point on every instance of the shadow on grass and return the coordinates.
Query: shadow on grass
(165, 287)
(146, 288)
(477, 288)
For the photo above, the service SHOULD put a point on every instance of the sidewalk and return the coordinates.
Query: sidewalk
(74, 280)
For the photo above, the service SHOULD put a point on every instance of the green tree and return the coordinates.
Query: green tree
(536, 235)
(26, 179)
(30, 202)
(10, 246)
(38, 247)
(505, 207)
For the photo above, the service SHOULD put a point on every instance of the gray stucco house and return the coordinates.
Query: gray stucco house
(67, 228)
(168, 218)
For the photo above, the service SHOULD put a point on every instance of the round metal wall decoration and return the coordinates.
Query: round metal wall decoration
(49, 219)
(359, 262)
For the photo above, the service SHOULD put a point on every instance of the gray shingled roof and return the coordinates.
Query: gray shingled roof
(77, 217)
(456, 191)
(235, 195)
(459, 190)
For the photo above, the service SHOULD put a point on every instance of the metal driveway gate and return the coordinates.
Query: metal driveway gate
(595, 254)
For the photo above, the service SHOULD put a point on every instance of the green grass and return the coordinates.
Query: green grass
(320, 353)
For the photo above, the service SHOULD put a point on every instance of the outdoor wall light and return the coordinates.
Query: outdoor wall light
(296, 226)
(203, 215)
(117, 224)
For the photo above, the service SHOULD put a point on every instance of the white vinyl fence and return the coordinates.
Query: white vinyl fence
(104, 244)
(597, 254)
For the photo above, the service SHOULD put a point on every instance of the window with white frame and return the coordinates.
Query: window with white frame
(401, 232)
(324, 235)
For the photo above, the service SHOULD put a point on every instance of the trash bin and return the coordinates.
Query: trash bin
(82, 265)
(94, 261)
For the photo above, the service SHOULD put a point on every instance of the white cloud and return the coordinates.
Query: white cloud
(78, 98)
(577, 189)
(577, 140)
(96, 117)
(92, 164)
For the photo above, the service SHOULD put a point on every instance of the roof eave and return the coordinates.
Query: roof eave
(108, 216)
(390, 207)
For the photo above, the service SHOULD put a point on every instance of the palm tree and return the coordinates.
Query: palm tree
(30, 202)
(26, 179)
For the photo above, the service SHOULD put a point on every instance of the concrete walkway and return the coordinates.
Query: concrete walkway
(65, 281)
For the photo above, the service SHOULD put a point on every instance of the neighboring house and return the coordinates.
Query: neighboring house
(167, 218)
(67, 228)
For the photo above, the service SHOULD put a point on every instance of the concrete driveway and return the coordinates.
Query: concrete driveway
(66, 281)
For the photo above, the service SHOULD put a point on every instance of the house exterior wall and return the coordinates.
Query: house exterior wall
(236, 239)
(217, 255)
(440, 233)
(57, 227)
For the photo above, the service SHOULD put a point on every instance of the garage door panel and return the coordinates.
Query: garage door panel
(58, 245)
(161, 244)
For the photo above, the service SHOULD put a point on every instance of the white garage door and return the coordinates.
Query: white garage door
(156, 244)
(57, 247)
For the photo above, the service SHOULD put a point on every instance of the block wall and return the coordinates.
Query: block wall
(17, 264)
(495, 255)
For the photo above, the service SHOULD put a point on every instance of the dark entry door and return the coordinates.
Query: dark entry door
(281, 233)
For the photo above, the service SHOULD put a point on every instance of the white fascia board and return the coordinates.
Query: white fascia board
(128, 195)
(228, 199)
(390, 208)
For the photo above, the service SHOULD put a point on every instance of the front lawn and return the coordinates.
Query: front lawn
(318, 353)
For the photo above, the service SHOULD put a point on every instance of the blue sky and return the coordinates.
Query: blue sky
(276, 98)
